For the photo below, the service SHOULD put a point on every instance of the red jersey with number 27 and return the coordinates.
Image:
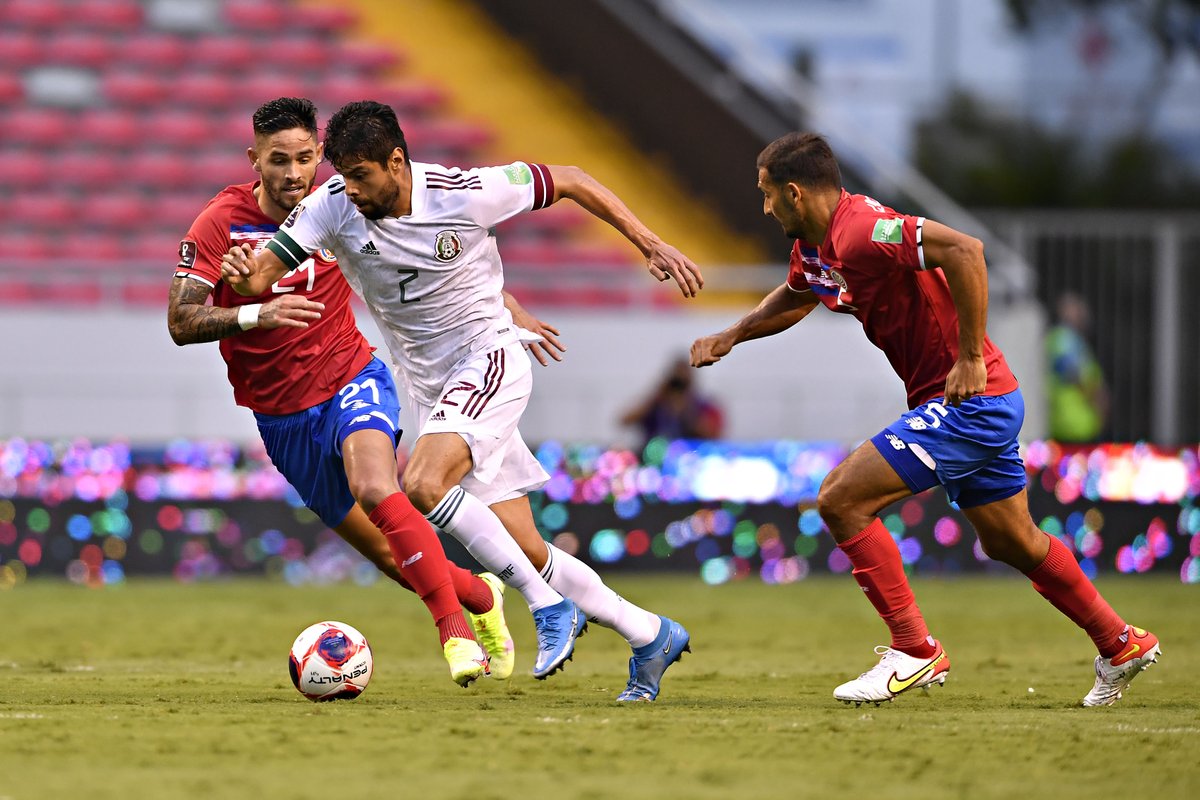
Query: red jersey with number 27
(284, 370)
(872, 265)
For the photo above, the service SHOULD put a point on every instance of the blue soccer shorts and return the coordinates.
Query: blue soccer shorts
(306, 447)
(970, 450)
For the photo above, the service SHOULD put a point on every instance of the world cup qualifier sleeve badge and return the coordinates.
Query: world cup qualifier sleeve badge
(447, 246)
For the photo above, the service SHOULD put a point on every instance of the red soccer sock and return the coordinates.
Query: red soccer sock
(1060, 580)
(422, 562)
(880, 572)
(473, 593)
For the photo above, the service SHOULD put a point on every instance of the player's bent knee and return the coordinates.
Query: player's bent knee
(424, 490)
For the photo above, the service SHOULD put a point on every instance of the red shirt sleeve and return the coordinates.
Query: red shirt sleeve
(795, 279)
(883, 240)
(206, 241)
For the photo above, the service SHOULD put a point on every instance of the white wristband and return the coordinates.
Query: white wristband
(248, 316)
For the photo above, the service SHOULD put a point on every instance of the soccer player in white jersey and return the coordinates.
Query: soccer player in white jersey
(415, 241)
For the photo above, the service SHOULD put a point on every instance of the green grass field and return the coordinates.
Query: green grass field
(156, 690)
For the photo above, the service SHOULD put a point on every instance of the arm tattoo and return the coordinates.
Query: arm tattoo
(191, 321)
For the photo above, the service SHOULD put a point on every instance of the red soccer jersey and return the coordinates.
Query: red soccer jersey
(284, 370)
(872, 265)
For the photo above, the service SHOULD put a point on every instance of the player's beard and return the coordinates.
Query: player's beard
(284, 201)
(378, 209)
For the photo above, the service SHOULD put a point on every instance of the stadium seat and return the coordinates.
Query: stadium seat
(223, 52)
(136, 89)
(252, 90)
(108, 15)
(256, 15)
(161, 52)
(87, 247)
(116, 210)
(12, 90)
(29, 15)
(21, 245)
(84, 169)
(147, 293)
(71, 292)
(110, 128)
(25, 169)
(203, 90)
(177, 128)
(156, 246)
(19, 49)
(176, 211)
(161, 169)
(79, 49)
(322, 19)
(42, 127)
(296, 53)
(366, 57)
(15, 292)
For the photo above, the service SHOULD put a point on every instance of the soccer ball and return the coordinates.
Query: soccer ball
(330, 661)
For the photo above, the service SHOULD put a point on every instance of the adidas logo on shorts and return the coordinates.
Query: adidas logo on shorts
(440, 416)
(368, 249)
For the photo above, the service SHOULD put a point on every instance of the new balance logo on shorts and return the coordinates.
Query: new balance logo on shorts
(368, 249)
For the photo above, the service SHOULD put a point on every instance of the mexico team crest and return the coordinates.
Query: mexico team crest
(447, 246)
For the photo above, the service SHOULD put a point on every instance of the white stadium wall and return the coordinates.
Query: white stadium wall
(116, 374)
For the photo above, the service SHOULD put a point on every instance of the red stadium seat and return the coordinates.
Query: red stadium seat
(86, 170)
(296, 54)
(136, 89)
(176, 212)
(322, 19)
(15, 292)
(254, 89)
(71, 292)
(19, 49)
(12, 89)
(160, 169)
(43, 127)
(20, 245)
(411, 99)
(87, 247)
(33, 14)
(204, 90)
(217, 169)
(146, 293)
(108, 127)
(156, 246)
(42, 211)
(79, 49)
(116, 210)
(334, 91)
(108, 15)
(177, 129)
(366, 57)
(256, 15)
(156, 51)
(223, 52)
(26, 169)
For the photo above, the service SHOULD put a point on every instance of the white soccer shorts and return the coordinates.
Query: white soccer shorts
(483, 402)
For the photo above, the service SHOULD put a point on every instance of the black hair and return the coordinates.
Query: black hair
(363, 131)
(285, 113)
(805, 159)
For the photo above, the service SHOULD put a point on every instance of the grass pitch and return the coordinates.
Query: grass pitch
(156, 690)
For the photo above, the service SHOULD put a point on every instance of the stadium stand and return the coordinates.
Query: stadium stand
(122, 118)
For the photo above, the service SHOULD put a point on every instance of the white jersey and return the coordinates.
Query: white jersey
(432, 279)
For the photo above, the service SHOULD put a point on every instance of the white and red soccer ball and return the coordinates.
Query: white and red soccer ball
(330, 661)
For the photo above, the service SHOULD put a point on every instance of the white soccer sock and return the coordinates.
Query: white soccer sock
(467, 519)
(578, 581)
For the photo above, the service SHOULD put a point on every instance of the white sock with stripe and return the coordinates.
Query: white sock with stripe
(467, 519)
(578, 581)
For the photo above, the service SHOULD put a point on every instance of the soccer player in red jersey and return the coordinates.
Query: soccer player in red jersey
(327, 409)
(919, 288)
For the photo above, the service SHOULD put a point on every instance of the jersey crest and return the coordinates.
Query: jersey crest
(447, 246)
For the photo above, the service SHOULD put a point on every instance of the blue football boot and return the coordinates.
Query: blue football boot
(648, 663)
(558, 626)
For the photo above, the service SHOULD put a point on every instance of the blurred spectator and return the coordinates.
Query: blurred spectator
(1078, 396)
(676, 410)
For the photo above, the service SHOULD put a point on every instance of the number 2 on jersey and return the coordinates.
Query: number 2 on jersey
(407, 276)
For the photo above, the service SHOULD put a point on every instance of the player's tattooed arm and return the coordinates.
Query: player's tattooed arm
(191, 321)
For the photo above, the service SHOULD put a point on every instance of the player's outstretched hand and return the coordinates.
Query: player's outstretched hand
(235, 265)
(666, 262)
(289, 311)
(710, 349)
(967, 378)
(548, 347)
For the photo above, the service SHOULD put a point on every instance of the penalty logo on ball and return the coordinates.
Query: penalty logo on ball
(330, 661)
